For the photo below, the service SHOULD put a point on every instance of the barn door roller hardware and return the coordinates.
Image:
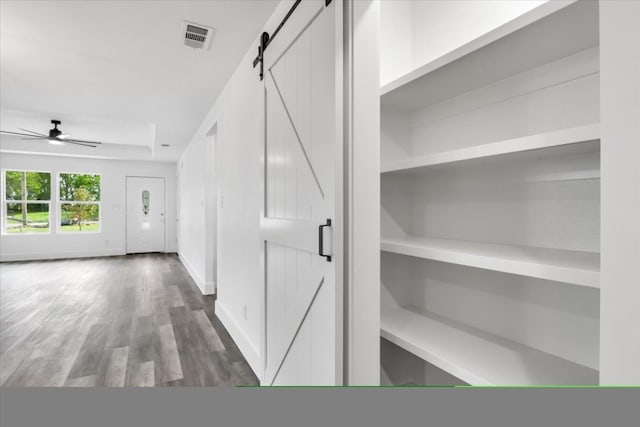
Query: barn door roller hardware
(265, 39)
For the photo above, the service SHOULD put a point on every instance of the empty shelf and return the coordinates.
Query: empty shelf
(534, 38)
(476, 357)
(579, 268)
(574, 140)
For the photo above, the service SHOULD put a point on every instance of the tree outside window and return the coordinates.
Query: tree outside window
(79, 202)
(27, 198)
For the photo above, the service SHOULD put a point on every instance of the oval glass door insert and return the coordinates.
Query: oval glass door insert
(145, 202)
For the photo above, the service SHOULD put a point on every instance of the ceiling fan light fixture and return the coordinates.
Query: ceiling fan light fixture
(55, 137)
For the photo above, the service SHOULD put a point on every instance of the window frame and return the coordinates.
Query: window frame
(3, 215)
(60, 202)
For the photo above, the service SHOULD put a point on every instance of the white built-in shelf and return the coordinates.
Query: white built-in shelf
(579, 268)
(575, 140)
(476, 357)
(532, 39)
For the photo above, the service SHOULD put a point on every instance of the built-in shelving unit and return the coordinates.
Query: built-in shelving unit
(580, 268)
(476, 357)
(576, 140)
(490, 192)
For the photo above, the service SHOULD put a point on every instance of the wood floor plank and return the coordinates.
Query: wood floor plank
(38, 372)
(173, 297)
(185, 339)
(168, 366)
(90, 354)
(188, 290)
(141, 346)
(160, 311)
(88, 381)
(221, 368)
(10, 361)
(141, 375)
(143, 298)
(120, 326)
(233, 352)
(211, 337)
(242, 374)
(133, 321)
(176, 383)
(113, 369)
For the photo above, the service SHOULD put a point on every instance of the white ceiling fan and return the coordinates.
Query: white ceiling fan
(55, 137)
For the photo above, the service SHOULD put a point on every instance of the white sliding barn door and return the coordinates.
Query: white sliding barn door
(302, 77)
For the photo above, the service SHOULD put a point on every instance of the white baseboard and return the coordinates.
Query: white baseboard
(192, 272)
(34, 256)
(247, 349)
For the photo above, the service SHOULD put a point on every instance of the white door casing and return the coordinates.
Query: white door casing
(145, 214)
(302, 184)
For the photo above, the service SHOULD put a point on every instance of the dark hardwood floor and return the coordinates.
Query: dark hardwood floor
(128, 321)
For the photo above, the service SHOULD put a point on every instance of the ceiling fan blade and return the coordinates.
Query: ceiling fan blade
(34, 138)
(80, 140)
(71, 141)
(35, 133)
(21, 134)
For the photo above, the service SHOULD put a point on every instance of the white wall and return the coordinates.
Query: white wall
(237, 115)
(192, 248)
(396, 39)
(414, 33)
(197, 212)
(111, 239)
(211, 211)
(620, 228)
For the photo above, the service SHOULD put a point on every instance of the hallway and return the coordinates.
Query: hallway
(126, 321)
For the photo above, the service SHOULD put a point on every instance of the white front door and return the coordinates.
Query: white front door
(145, 214)
(302, 189)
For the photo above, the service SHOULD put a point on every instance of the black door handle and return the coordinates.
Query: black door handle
(321, 240)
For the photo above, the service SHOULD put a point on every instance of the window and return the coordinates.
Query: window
(27, 196)
(79, 202)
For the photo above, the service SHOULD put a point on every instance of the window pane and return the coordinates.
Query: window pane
(27, 217)
(13, 185)
(78, 217)
(79, 187)
(38, 186)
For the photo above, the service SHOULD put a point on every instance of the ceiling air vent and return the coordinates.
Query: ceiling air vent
(197, 36)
